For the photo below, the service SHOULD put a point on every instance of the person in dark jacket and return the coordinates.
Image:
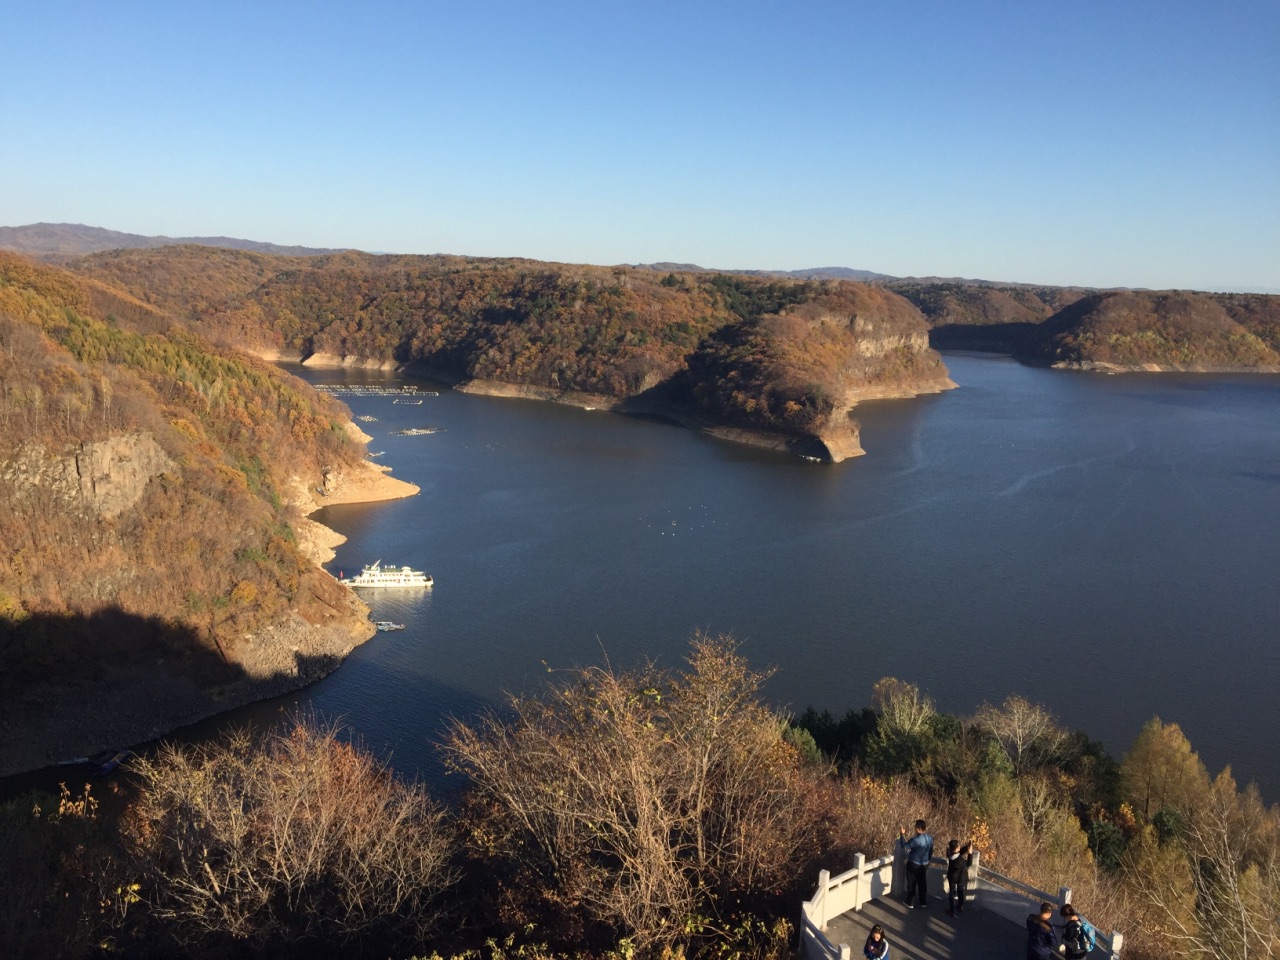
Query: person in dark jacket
(877, 945)
(1041, 941)
(958, 860)
(1077, 934)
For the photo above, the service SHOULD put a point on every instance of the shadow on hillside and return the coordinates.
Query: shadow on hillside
(1015, 338)
(83, 649)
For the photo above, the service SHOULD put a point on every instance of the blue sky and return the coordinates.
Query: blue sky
(1125, 142)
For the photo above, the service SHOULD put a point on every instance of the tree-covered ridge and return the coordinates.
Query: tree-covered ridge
(608, 330)
(1167, 328)
(1125, 328)
(205, 545)
(965, 304)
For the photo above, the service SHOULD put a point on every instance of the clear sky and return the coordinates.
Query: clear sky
(1098, 142)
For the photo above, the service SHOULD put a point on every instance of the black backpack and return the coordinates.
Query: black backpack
(1078, 938)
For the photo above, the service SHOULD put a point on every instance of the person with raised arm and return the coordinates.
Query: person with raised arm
(916, 854)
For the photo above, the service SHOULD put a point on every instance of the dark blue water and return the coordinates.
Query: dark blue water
(1106, 546)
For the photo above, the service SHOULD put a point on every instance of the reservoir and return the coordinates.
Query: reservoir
(1106, 546)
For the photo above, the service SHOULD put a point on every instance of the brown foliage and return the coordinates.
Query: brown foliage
(1172, 328)
(207, 544)
(643, 800)
(297, 836)
(786, 351)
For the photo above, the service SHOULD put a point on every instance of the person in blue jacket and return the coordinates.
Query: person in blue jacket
(877, 946)
(917, 852)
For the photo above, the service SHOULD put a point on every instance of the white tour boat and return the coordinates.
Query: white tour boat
(386, 626)
(376, 575)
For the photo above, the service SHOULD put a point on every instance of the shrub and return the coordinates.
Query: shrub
(293, 836)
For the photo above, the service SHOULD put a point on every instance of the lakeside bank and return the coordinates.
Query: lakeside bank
(52, 722)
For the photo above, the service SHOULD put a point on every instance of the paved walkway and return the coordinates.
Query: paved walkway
(992, 927)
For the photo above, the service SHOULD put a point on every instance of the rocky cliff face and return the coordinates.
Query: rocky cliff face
(104, 477)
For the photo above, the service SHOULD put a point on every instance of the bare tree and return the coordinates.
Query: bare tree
(644, 799)
(902, 707)
(1029, 733)
(297, 835)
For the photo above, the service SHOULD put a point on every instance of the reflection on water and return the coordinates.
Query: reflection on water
(1108, 546)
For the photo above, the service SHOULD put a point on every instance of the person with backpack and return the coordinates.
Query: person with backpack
(1041, 941)
(958, 860)
(917, 852)
(1078, 935)
(877, 945)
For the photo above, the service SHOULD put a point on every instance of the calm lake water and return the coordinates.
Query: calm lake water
(1106, 546)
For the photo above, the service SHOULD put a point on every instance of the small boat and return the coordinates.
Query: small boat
(378, 454)
(376, 575)
(386, 626)
(408, 403)
(367, 419)
(415, 432)
(107, 761)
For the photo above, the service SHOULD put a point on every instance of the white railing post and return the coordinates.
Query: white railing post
(974, 871)
(897, 877)
(859, 866)
(1117, 942)
(846, 952)
(1064, 896)
(824, 884)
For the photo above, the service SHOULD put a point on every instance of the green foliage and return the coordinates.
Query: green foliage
(802, 740)
(1107, 843)
(839, 739)
(1169, 824)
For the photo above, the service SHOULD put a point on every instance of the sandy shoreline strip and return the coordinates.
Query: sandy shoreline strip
(368, 485)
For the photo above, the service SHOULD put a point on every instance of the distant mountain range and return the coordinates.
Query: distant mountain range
(61, 242)
(54, 241)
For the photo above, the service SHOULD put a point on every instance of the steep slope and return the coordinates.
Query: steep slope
(150, 565)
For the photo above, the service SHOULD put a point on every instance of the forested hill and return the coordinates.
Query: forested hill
(1105, 330)
(149, 551)
(786, 357)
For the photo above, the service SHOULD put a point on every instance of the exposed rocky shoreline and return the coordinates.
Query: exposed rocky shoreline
(838, 440)
(1098, 366)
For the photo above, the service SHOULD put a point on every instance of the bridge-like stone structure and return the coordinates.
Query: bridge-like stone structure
(835, 923)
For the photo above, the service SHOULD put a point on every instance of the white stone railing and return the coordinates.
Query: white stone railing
(1110, 944)
(868, 880)
(872, 879)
